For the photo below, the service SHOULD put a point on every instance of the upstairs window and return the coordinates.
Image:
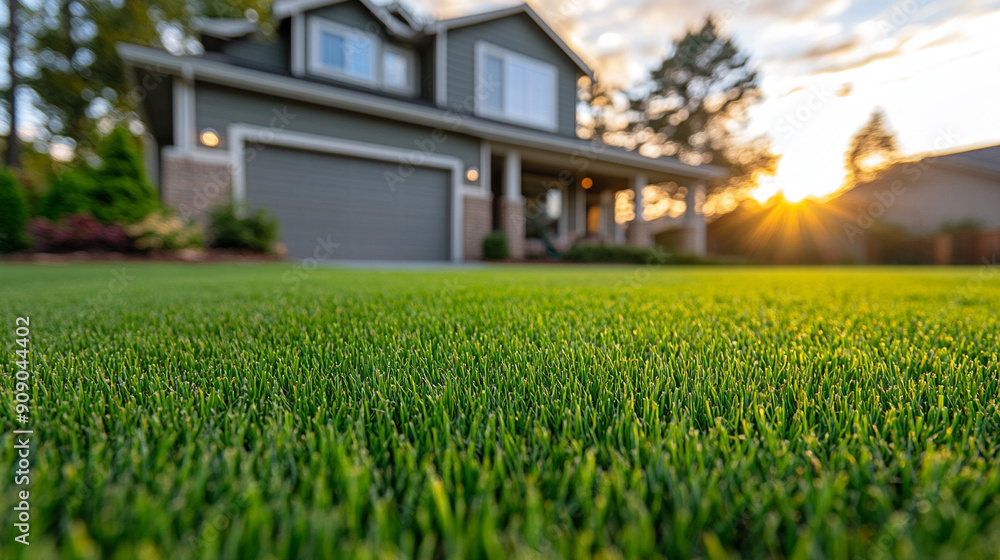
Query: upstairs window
(342, 52)
(515, 87)
(345, 53)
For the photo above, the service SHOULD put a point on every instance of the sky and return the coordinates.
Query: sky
(932, 65)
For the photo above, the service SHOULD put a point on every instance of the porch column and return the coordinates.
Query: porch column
(695, 234)
(607, 217)
(581, 210)
(512, 204)
(638, 233)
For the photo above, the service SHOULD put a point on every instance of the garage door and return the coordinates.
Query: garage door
(346, 200)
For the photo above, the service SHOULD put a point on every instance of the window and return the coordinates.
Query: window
(342, 52)
(515, 87)
(397, 73)
(345, 53)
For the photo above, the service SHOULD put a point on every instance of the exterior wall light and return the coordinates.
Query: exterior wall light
(472, 174)
(587, 182)
(209, 137)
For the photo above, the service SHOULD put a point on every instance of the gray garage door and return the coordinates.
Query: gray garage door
(347, 201)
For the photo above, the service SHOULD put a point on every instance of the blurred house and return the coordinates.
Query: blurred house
(372, 134)
(937, 209)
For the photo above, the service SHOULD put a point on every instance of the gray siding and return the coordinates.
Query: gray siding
(217, 107)
(271, 55)
(323, 201)
(520, 34)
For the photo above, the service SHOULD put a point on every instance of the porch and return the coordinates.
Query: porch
(547, 202)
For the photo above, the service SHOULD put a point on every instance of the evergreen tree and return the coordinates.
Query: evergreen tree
(13, 213)
(694, 107)
(121, 193)
(68, 194)
(872, 150)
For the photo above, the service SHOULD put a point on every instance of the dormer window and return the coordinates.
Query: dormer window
(345, 53)
(515, 87)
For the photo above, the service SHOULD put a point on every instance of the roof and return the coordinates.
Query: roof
(224, 28)
(266, 83)
(287, 8)
(484, 17)
(980, 160)
(397, 19)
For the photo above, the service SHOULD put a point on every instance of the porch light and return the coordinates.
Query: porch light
(209, 137)
(587, 182)
(472, 174)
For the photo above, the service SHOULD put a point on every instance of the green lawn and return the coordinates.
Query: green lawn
(263, 411)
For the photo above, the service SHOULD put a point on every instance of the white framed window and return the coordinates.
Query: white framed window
(346, 53)
(397, 69)
(515, 87)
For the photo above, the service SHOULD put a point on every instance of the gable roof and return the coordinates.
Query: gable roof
(980, 160)
(406, 25)
(484, 17)
(399, 21)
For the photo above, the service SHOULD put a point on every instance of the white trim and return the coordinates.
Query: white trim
(581, 209)
(200, 155)
(240, 134)
(299, 45)
(441, 69)
(484, 49)
(184, 120)
(639, 182)
(314, 56)
(291, 8)
(473, 191)
(512, 176)
(266, 83)
(484, 17)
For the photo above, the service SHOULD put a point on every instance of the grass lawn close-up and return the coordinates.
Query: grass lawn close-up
(267, 411)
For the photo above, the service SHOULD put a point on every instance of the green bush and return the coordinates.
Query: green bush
(627, 255)
(121, 192)
(496, 246)
(13, 213)
(66, 195)
(253, 231)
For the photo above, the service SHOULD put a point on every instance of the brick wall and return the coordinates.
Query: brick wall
(193, 188)
(512, 217)
(478, 223)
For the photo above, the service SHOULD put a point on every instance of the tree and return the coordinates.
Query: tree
(872, 150)
(66, 195)
(694, 106)
(13, 213)
(13, 151)
(121, 192)
(78, 79)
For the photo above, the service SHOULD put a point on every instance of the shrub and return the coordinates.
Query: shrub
(78, 232)
(163, 230)
(13, 213)
(626, 254)
(231, 231)
(121, 193)
(66, 195)
(496, 246)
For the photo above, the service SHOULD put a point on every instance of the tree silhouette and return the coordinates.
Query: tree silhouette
(873, 149)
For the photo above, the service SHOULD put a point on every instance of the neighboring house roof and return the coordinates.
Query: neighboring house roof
(293, 88)
(224, 28)
(475, 19)
(980, 161)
